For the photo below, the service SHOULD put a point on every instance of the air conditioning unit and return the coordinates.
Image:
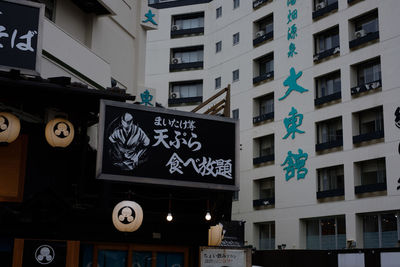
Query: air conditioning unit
(175, 27)
(320, 6)
(360, 33)
(176, 60)
(259, 34)
(174, 95)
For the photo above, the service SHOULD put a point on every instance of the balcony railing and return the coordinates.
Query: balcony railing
(368, 136)
(185, 100)
(330, 193)
(186, 66)
(263, 117)
(327, 53)
(259, 3)
(331, 144)
(328, 98)
(263, 77)
(263, 159)
(263, 38)
(371, 36)
(264, 202)
(366, 87)
(368, 188)
(183, 32)
(350, 2)
(325, 10)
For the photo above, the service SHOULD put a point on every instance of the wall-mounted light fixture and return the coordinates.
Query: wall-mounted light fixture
(10, 127)
(59, 132)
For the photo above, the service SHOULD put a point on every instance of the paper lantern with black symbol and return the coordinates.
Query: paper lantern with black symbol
(59, 132)
(9, 127)
(127, 216)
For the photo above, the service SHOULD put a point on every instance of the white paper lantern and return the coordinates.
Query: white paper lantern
(9, 127)
(59, 132)
(127, 216)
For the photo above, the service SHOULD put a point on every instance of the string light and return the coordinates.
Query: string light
(169, 216)
(208, 215)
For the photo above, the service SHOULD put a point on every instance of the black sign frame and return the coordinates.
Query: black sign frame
(39, 43)
(185, 181)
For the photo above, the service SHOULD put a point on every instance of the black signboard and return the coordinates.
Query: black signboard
(44, 253)
(20, 35)
(161, 146)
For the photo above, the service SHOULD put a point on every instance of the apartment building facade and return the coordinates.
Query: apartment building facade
(313, 84)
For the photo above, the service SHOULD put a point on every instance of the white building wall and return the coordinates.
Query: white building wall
(295, 200)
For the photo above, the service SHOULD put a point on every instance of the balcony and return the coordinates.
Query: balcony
(263, 117)
(327, 53)
(369, 37)
(263, 38)
(322, 11)
(263, 77)
(264, 159)
(350, 2)
(259, 3)
(368, 137)
(264, 202)
(366, 87)
(331, 144)
(185, 100)
(330, 193)
(186, 32)
(328, 98)
(186, 66)
(369, 188)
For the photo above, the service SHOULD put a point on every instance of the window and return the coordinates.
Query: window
(328, 85)
(218, 83)
(187, 24)
(330, 132)
(326, 233)
(367, 23)
(331, 178)
(218, 47)
(236, 38)
(266, 104)
(267, 188)
(219, 12)
(369, 72)
(264, 108)
(373, 171)
(366, 29)
(49, 10)
(235, 75)
(381, 230)
(326, 44)
(186, 58)
(188, 21)
(267, 235)
(236, 3)
(186, 92)
(370, 121)
(263, 30)
(319, 4)
(264, 68)
(264, 150)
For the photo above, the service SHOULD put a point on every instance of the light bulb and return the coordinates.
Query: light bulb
(208, 216)
(169, 217)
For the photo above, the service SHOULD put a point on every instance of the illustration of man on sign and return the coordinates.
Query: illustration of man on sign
(128, 143)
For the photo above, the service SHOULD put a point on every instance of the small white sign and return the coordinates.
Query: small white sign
(211, 257)
(351, 260)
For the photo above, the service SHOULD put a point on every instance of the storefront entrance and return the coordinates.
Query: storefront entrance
(74, 253)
